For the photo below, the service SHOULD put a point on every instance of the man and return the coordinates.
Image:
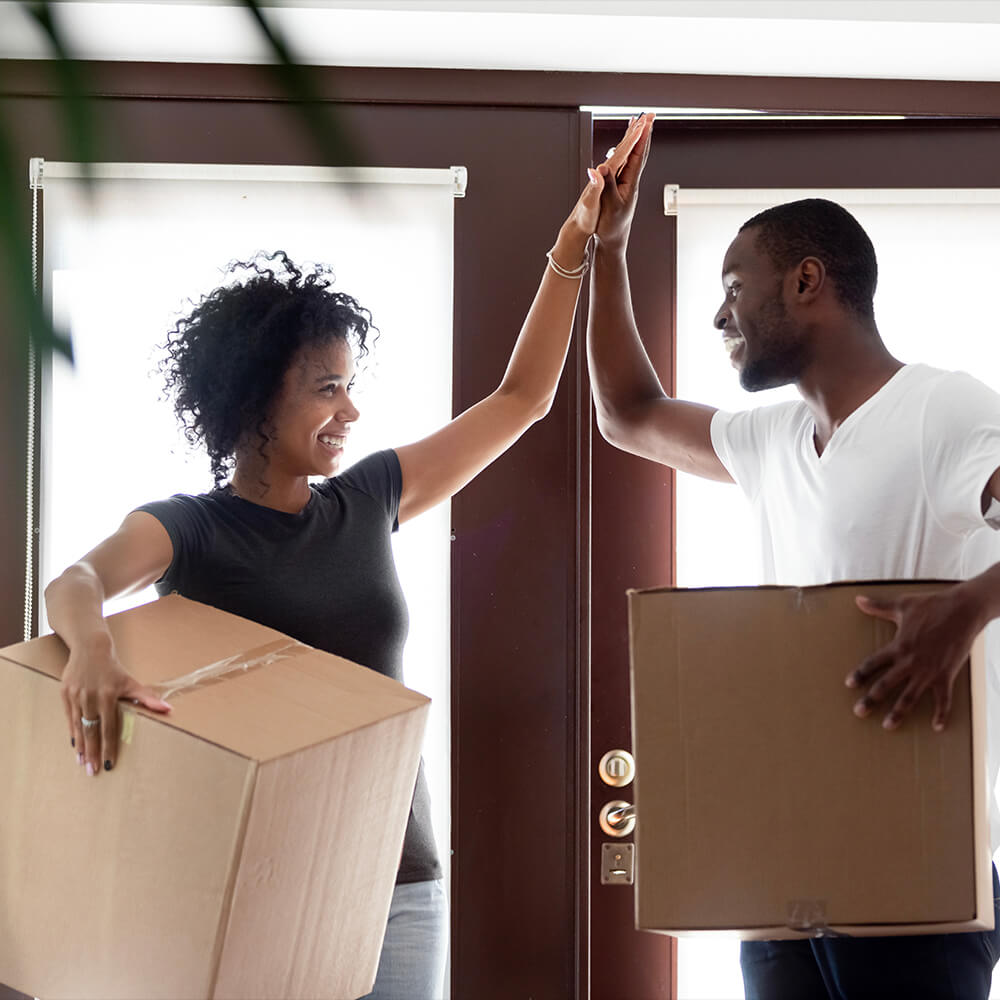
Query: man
(881, 471)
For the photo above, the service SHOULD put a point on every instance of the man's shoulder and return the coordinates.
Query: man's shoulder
(787, 414)
(932, 376)
(941, 387)
(761, 430)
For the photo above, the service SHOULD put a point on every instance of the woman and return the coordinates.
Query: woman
(262, 373)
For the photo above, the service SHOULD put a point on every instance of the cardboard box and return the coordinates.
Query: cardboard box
(245, 845)
(765, 807)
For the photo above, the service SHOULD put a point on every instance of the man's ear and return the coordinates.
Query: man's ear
(810, 278)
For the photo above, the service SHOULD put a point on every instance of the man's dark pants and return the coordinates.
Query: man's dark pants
(922, 967)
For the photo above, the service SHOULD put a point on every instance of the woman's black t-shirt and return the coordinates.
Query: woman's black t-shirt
(324, 576)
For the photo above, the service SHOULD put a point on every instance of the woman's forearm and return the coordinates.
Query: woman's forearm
(74, 602)
(536, 362)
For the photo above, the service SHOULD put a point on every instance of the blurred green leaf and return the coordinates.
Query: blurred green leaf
(31, 322)
(297, 81)
(82, 125)
(29, 318)
(80, 117)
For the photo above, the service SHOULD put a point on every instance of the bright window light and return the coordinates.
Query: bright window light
(928, 307)
(119, 268)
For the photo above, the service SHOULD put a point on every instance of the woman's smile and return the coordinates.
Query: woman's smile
(334, 443)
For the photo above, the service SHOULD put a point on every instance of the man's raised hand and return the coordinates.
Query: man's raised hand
(621, 173)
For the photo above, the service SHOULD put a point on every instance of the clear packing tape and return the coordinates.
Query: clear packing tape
(251, 659)
(259, 656)
(809, 917)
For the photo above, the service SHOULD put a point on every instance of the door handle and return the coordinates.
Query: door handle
(617, 818)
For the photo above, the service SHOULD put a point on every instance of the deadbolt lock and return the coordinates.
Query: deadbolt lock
(617, 768)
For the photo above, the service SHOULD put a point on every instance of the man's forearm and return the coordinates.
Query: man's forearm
(983, 595)
(620, 371)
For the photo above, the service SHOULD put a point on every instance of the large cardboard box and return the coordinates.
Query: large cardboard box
(765, 807)
(245, 845)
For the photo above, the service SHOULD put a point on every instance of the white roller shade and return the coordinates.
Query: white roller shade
(936, 250)
(120, 266)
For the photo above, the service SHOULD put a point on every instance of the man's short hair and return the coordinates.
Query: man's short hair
(815, 227)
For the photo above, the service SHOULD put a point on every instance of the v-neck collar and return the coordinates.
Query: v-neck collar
(852, 418)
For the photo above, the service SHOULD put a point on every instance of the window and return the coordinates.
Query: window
(933, 305)
(121, 265)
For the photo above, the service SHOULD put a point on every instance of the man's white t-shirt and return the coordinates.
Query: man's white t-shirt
(895, 495)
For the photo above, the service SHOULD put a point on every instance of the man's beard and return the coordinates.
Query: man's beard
(781, 355)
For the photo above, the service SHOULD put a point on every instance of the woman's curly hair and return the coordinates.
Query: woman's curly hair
(226, 359)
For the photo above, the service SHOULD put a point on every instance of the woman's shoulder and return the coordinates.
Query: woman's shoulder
(373, 474)
(376, 476)
(219, 496)
(186, 511)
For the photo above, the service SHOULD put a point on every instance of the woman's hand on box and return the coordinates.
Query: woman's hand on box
(933, 638)
(93, 682)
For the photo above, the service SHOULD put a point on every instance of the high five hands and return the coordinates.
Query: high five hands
(620, 175)
(608, 201)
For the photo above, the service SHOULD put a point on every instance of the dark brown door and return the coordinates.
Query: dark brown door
(633, 499)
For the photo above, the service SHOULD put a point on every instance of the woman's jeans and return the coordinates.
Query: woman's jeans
(920, 967)
(415, 949)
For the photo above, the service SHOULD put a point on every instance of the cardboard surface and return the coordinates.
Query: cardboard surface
(278, 697)
(765, 806)
(244, 846)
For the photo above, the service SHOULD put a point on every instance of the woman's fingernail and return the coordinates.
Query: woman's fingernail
(592, 175)
(90, 769)
(107, 765)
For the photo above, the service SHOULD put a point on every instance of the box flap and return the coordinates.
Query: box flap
(270, 696)
(157, 641)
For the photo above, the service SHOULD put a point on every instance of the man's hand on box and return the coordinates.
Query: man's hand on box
(934, 635)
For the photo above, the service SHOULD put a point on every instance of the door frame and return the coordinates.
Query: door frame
(410, 117)
(952, 153)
